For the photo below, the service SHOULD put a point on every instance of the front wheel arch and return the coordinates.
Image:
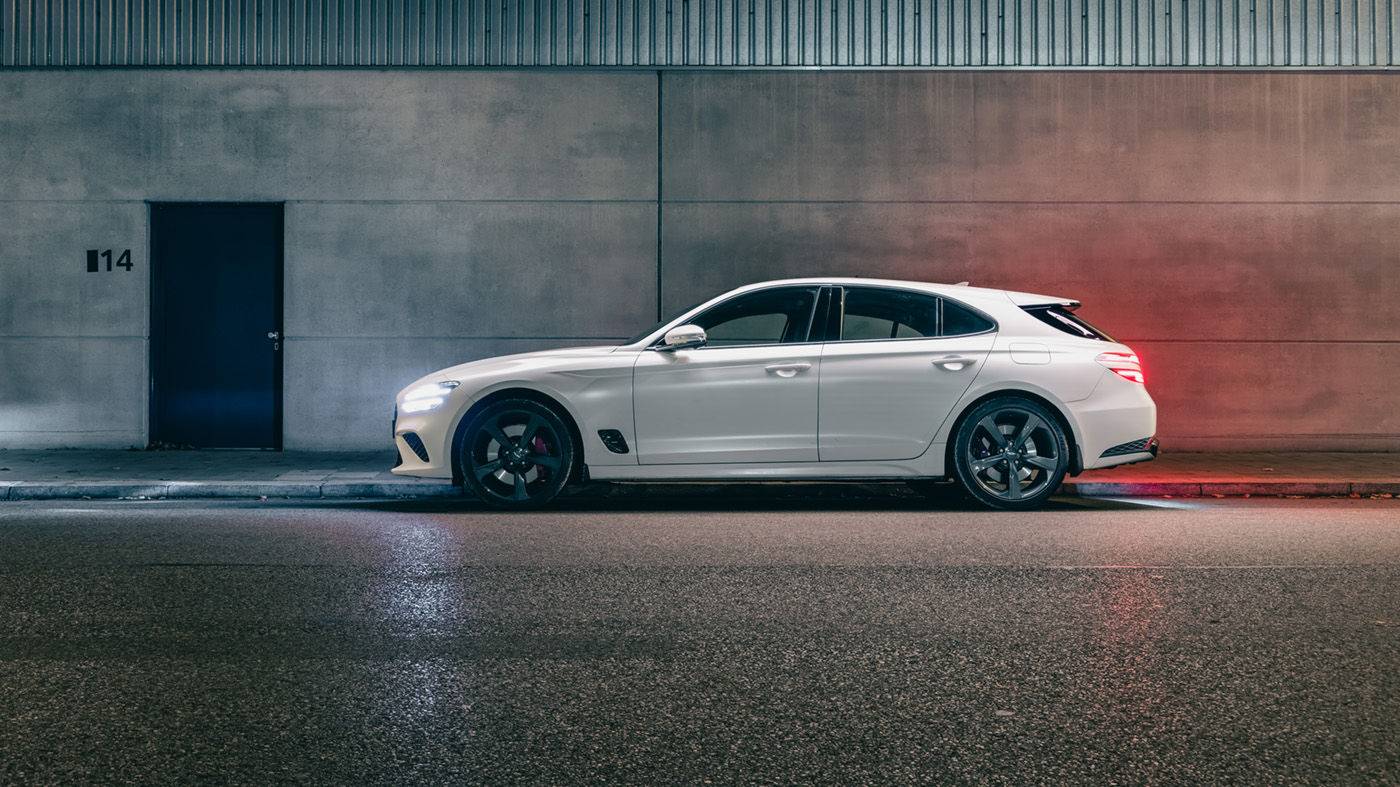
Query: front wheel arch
(1076, 462)
(575, 475)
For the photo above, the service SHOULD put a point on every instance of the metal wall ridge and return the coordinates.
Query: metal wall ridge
(829, 34)
(1208, 69)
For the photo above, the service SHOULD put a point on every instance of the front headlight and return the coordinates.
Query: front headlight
(427, 397)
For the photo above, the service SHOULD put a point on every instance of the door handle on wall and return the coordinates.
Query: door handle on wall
(787, 369)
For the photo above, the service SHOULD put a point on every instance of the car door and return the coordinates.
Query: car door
(748, 395)
(893, 372)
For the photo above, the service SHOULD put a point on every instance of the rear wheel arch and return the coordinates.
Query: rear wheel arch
(575, 474)
(1076, 463)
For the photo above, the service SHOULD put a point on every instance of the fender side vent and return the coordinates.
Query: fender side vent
(614, 440)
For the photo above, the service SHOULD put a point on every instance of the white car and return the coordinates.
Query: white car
(1005, 392)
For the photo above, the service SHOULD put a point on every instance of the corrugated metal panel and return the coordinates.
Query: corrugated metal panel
(708, 33)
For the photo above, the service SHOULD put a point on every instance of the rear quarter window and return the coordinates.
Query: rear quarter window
(961, 321)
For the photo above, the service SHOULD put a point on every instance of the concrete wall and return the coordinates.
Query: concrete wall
(73, 348)
(431, 217)
(1241, 230)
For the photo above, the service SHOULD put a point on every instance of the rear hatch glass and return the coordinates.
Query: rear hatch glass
(1057, 316)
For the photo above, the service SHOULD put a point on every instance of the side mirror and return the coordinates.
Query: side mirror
(683, 337)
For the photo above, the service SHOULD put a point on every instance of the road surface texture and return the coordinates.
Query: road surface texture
(1099, 642)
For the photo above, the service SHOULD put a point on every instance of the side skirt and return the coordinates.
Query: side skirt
(930, 465)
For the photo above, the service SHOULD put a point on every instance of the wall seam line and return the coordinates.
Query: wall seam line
(660, 159)
(1338, 203)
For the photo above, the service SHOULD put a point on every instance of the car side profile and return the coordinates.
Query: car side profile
(862, 379)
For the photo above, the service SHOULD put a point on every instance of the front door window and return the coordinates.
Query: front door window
(778, 316)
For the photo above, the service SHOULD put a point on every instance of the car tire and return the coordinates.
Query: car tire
(1010, 454)
(516, 454)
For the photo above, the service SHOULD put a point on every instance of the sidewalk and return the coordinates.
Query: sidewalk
(69, 474)
(56, 474)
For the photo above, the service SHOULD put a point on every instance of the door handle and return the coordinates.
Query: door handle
(954, 363)
(787, 369)
(274, 335)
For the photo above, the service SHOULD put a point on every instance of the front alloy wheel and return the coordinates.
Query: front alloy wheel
(1010, 454)
(516, 453)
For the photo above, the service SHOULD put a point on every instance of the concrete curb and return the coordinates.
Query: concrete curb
(1130, 489)
(1230, 488)
(97, 489)
(196, 490)
(340, 489)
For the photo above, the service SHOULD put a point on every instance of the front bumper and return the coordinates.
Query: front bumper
(424, 443)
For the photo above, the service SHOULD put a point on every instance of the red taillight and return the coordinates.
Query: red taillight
(1125, 365)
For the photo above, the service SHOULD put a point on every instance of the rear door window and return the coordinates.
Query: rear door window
(871, 314)
(887, 314)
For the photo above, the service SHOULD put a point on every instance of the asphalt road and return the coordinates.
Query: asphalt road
(1154, 642)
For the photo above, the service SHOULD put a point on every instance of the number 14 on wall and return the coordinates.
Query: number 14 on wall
(93, 257)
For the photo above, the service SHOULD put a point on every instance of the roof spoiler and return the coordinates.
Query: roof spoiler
(1028, 300)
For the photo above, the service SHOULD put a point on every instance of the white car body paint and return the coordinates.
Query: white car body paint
(885, 400)
(810, 410)
(722, 405)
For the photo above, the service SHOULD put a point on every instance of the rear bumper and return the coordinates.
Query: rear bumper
(1116, 424)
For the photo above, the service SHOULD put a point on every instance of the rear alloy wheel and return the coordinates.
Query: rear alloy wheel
(1010, 454)
(516, 453)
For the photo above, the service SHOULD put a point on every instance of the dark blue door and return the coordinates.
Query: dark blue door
(216, 325)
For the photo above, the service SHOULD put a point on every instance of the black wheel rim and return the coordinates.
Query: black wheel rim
(516, 456)
(1013, 455)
